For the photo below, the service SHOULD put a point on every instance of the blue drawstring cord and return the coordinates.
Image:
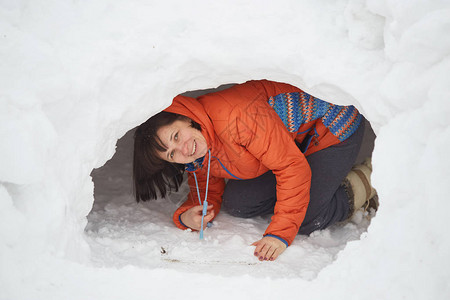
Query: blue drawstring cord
(205, 203)
(198, 192)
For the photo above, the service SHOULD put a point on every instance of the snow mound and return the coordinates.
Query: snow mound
(76, 76)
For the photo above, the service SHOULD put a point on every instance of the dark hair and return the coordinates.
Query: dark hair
(152, 174)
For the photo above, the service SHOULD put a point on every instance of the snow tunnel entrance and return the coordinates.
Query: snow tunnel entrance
(122, 232)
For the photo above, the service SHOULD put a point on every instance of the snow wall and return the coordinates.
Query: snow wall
(77, 75)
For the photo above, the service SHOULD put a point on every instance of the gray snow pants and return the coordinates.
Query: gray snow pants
(329, 202)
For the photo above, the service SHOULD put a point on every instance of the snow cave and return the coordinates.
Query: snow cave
(77, 76)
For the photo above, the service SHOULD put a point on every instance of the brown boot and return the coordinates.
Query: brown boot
(359, 188)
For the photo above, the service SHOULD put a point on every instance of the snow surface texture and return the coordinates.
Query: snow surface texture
(77, 75)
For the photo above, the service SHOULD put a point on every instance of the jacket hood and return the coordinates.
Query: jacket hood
(193, 109)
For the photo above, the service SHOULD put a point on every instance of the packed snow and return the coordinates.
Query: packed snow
(76, 76)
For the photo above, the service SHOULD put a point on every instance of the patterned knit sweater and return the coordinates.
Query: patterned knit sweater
(299, 108)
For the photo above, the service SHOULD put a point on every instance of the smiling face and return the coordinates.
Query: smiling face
(183, 142)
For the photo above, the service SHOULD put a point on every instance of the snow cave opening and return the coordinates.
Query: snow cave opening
(78, 74)
(122, 232)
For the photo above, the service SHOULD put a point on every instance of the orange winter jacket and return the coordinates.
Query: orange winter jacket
(248, 137)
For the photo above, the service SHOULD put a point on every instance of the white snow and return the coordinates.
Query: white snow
(75, 76)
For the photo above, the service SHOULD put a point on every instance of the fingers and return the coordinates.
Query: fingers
(209, 216)
(276, 253)
(266, 252)
(210, 212)
(197, 209)
(261, 251)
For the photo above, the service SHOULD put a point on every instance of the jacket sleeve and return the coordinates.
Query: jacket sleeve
(261, 131)
(215, 192)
